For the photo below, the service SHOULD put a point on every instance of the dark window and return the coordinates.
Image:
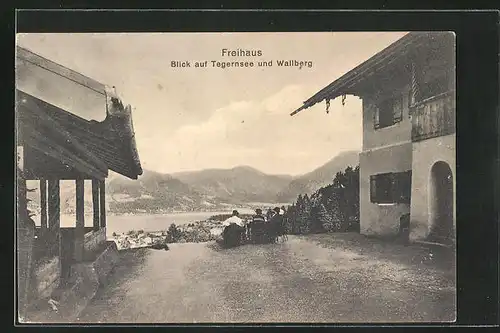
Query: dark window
(402, 187)
(388, 112)
(391, 187)
(381, 188)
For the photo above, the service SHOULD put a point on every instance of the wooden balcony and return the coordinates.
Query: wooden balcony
(433, 117)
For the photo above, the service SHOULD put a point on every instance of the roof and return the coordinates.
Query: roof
(348, 83)
(61, 70)
(40, 132)
(42, 78)
(74, 119)
(89, 147)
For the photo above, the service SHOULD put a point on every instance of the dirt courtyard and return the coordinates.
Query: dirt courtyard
(327, 278)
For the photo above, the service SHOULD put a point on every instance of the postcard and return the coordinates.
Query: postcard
(245, 177)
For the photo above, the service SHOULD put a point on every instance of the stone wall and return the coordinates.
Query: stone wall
(425, 154)
(105, 262)
(93, 239)
(25, 242)
(91, 242)
(86, 278)
(46, 278)
(382, 219)
(384, 150)
(399, 132)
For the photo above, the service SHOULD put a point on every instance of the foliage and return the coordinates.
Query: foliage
(160, 244)
(223, 217)
(190, 234)
(331, 208)
(173, 234)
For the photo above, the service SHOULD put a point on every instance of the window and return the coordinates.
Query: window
(381, 188)
(388, 112)
(391, 188)
(397, 109)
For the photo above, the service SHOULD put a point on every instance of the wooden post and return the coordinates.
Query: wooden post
(95, 203)
(80, 220)
(54, 210)
(43, 203)
(102, 198)
(21, 183)
(414, 89)
(25, 237)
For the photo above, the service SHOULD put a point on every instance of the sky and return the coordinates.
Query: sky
(197, 118)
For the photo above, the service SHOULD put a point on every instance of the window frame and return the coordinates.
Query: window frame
(396, 114)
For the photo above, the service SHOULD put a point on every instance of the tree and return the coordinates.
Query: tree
(300, 203)
(173, 234)
(346, 186)
(317, 215)
(352, 198)
(290, 219)
(331, 208)
(299, 214)
(303, 214)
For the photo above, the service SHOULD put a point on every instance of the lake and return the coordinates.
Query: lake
(157, 222)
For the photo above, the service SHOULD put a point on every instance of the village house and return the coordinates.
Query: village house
(68, 127)
(407, 163)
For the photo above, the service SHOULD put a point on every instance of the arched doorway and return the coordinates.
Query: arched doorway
(441, 203)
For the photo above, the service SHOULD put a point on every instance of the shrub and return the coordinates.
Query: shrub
(173, 233)
(223, 217)
(160, 244)
(332, 208)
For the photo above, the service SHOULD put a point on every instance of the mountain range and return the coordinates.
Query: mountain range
(241, 184)
(204, 190)
(322, 176)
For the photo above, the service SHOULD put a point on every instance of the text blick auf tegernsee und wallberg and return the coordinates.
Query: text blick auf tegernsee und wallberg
(228, 53)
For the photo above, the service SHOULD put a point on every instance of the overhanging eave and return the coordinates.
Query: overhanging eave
(350, 82)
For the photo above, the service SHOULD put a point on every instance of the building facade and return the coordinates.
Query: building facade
(68, 127)
(407, 163)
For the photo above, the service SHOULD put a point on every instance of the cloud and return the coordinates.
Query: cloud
(194, 119)
(260, 134)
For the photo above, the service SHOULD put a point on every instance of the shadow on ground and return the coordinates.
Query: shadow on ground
(323, 278)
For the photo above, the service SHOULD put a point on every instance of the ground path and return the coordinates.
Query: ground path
(318, 278)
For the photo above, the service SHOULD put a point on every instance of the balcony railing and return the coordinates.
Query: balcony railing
(433, 117)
